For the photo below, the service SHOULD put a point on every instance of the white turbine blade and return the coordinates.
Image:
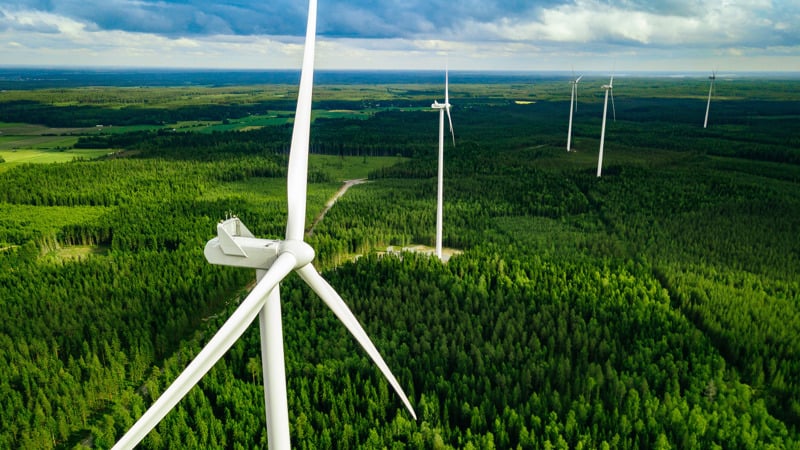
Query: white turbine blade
(297, 175)
(446, 87)
(447, 102)
(613, 108)
(602, 136)
(233, 328)
(339, 307)
(451, 124)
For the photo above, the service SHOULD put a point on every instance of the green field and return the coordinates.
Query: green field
(43, 156)
(36, 144)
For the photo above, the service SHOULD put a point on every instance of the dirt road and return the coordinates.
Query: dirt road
(347, 184)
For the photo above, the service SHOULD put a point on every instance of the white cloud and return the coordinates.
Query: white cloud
(591, 21)
(586, 32)
(76, 44)
(710, 24)
(38, 22)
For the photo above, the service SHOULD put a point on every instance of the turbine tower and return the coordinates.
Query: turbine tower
(273, 260)
(710, 90)
(609, 88)
(442, 107)
(573, 106)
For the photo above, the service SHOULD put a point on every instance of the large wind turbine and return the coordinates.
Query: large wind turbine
(442, 107)
(573, 106)
(710, 90)
(273, 260)
(609, 88)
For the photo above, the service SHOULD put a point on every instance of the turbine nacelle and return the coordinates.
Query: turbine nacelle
(236, 246)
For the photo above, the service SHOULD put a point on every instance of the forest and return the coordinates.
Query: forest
(657, 307)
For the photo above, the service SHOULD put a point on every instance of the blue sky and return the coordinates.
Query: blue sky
(587, 35)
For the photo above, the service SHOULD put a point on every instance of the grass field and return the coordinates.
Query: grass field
(47, 142)
(46, 156)
(27, 129)
(26, 143)
(343, 168)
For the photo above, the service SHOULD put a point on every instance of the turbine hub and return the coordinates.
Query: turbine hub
(303, 253)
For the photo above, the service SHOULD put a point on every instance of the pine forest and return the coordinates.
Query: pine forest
(655, 307)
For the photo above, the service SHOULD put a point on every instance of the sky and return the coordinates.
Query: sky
(527, 35)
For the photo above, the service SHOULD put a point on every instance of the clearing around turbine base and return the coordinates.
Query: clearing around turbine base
(446, 253)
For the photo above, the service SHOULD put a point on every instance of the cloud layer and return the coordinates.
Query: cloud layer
(477, 31)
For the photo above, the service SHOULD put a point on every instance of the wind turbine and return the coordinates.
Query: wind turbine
(609, 88)
(442, 107)
(273, 260)
(710, 90)
(573, 106)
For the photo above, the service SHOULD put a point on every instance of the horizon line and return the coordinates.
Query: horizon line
(296, 69)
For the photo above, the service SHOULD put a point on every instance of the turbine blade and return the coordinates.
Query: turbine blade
(446, 86)
(297, 175)
(451, 124)
(613, 108)
(233, 328)
(339, 307)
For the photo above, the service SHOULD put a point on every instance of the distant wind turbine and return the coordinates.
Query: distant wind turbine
(573, 106)
(609, 88)
(710, 90)
(273, 260)
(442, 107)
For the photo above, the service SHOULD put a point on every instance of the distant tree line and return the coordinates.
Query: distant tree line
(89, 116)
